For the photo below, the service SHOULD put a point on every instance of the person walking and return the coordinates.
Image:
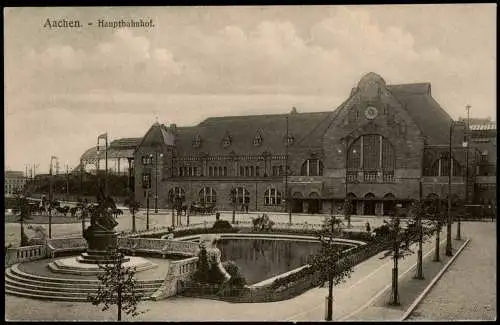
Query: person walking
(368, 228)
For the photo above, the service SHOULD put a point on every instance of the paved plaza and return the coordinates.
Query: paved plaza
(362, 297)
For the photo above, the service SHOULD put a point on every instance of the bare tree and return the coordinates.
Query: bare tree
(117, 287)
(133, 207)
(332, 262)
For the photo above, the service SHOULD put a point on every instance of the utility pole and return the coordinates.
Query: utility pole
(67, 181)
(466, 145)
(450, 170)
(147, 209)
(51, 194)
(287, 196)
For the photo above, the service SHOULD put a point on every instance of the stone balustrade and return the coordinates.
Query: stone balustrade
(178, 273)
(161, 246)
(57, 245)
(24, 254)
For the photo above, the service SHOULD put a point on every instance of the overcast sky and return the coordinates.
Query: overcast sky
(64, 87)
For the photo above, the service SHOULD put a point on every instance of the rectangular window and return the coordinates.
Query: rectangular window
(242, 171)
(257, 171)
(225, 171)
(147, 160)
(146, 180)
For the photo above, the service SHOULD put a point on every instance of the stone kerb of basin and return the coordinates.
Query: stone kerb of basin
(72, 265)
(350, 242)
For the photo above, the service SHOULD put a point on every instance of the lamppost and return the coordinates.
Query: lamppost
(395, 230)
(51, 194)
(105, 137)
(156, 177)
(466, 146)
(287, 196)
(147, 209)
(233, 201)
(450, 171)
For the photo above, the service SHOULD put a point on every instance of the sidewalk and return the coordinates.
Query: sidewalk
(369, 287)
(468, 289)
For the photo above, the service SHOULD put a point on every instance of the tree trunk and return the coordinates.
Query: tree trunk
(133, 221)
(22, 232)
(119, 304)
(329, 311)
(420, 273)
(83, 224)
(436, 255)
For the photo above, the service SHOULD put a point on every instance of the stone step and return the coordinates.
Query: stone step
(42, 297)
(60, 268)
(15, 281)
(15, 269)
(45, 292)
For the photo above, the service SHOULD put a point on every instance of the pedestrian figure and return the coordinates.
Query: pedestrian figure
(368, 228)
(217, 216)
(246, 207)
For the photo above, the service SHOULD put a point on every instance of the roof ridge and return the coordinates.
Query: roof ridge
(260, 115)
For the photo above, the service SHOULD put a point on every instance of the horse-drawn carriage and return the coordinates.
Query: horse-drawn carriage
(197, 208)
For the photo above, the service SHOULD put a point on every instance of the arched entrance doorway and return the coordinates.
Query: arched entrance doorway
(369, 205)
(314, 205)
(388, 205)
(351, 197)
(297, 202)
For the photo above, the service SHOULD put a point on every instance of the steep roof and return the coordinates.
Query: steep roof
(243, 129)
(126, 142)
(157, 135)
(429, 116)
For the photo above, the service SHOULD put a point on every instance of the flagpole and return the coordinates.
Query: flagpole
(106, 166)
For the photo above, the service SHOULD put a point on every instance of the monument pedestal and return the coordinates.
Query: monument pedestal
(100, 244)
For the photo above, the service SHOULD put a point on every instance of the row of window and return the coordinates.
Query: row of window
(239, 195)
(227, 140)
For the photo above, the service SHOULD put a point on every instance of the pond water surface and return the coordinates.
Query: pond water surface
(260, 259)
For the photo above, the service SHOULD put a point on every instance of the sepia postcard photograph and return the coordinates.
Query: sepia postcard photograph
(250, 163)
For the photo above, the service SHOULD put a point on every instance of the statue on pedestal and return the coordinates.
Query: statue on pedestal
(100, 235)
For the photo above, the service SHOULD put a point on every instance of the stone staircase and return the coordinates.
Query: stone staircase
(19, 283)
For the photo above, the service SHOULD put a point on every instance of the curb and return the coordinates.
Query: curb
(433, 282)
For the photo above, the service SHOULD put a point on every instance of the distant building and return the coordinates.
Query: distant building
(482, 136)
(14, 181)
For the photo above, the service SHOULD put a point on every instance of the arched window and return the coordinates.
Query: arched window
(242, 195)
(210, 171)
(208, 195)
(441, 167)
(371, 152)
(312, 167)
(177, 192)
(272, 197)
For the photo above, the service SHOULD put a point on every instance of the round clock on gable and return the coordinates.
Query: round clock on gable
(371, 112)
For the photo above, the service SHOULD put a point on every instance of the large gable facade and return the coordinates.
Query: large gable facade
(378, 146)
